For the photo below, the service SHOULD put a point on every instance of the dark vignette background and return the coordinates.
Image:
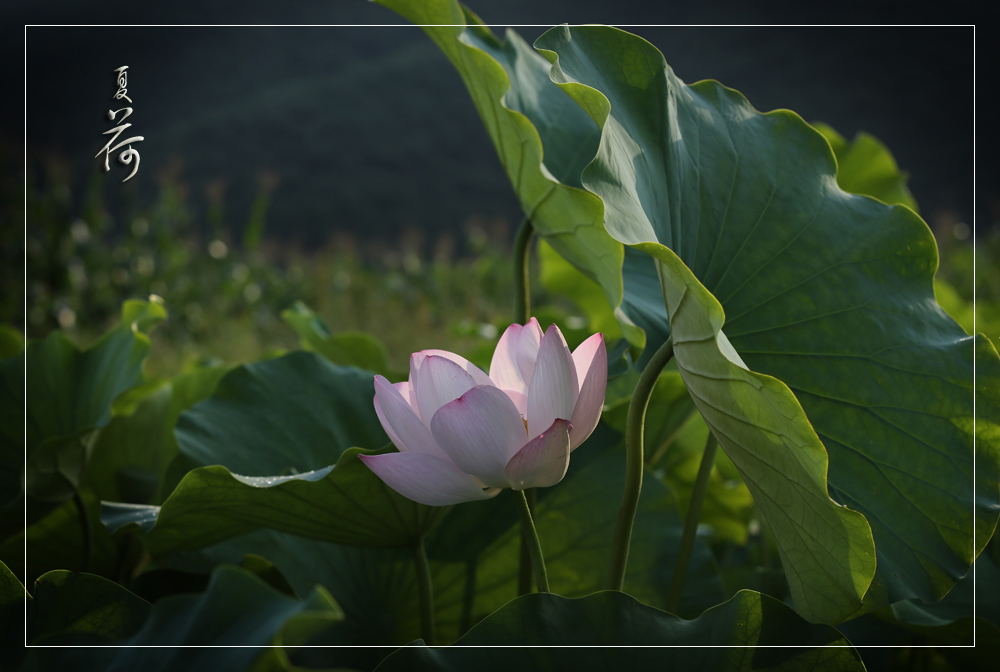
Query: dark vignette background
(368, 130)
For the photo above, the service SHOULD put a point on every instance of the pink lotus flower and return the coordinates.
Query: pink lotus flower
(463, 435)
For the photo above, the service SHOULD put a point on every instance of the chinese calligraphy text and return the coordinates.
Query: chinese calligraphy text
(129, 153)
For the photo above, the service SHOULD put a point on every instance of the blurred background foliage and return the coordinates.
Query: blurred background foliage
(226, 286)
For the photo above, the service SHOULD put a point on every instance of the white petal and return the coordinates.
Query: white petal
(439, 381)
(528, 341)
(553, 388)
(426, 479)
(401, 422)
(480, 432)
(542, 461)
(593, 386)
(470, 368)
(405, 390)
(504, 370)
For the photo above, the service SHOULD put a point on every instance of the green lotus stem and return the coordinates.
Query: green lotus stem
(691, 524)
(522, 291)
(634, 427)
(530, 535)
(84, 528)
(522, 313)
(524, 566)
(426, 592)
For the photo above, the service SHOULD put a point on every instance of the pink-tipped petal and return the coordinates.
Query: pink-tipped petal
(542, 461)
(467, 366)
(427, 479)
(590, 401)
(480, 432)
(504, 370)
(584, 355)
(439, 381)
(528, 342)
(401, 422)
(553, 388)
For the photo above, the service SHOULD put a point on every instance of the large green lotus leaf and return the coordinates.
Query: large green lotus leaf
(828, 293)
(508, 84)
(67, 602)
(288, 415)
(866, 166)
(348, 348)
(69, 393)
(223, 628)
(736, 635)
(344, 503)
(270, 431)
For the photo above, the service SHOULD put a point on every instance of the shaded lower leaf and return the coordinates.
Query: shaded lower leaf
(474, 557)
(748, 622)
(14, 601)
(56, 542)
(345, 503)
(220, 629)
(66, 602)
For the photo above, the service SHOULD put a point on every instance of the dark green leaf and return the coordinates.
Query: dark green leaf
(265, 569)
(288, 415)
(521, 633)
(65, 602)
(220, 629)
(344, 503)
(14, 601)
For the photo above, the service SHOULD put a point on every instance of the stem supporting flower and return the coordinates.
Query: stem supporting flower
(530, 536)
(633, 461)
(426, 592)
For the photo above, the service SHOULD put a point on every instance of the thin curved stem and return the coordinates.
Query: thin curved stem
(522, 290)
(524, 568)
(691, 524)
(530, 535)
(84, 528)
(633, 462)
(426, 592)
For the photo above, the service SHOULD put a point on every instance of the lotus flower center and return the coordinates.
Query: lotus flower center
(525, 421)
